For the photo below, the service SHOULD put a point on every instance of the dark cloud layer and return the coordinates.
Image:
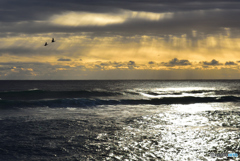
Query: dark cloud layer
(15, 10)
(202, 15)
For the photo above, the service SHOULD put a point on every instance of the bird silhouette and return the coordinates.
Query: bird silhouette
(53, 40)
(46, 44)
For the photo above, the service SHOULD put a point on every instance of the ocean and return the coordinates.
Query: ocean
(119, 120)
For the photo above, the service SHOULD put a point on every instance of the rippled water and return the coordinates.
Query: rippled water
(123, 131)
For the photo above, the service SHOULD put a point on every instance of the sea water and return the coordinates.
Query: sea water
(119, 120)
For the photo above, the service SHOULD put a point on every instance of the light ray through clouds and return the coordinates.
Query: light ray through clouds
(128, 37)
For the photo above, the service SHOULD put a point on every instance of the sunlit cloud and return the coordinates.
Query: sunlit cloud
(102, 19)
(138, 48)
(85, 19)
(113, 70)
(119, 39)
(87, 53)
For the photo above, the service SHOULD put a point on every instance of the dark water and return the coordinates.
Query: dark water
(119, 120)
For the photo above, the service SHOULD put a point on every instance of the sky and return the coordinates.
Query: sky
(119, 39)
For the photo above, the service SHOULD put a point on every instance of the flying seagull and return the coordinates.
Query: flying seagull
(53, 40)
(46, 44)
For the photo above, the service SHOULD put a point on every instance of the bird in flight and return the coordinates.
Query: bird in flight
(52, 42)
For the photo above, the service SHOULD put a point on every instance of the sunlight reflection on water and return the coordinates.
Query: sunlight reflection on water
(185, 132)
(149, 132)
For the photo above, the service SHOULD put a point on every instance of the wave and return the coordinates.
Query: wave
(85, 103)
(35, 94)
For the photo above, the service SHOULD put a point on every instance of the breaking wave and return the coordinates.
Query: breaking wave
(85, 102)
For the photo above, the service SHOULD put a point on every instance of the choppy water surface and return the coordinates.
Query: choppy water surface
(151, 120)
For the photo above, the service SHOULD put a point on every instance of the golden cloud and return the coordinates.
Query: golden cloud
(96, 19)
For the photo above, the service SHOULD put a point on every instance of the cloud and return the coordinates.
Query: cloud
(101, 70)
(138, 30)
(48, 71)
(138, 48)
(28, 10)
(176, 62)
(98, 66)
(102, 19)
(62, 59)
(230, 63)
(85, 19)
(116, 65)
(118, 17)
(131, 63)
(212, 63)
